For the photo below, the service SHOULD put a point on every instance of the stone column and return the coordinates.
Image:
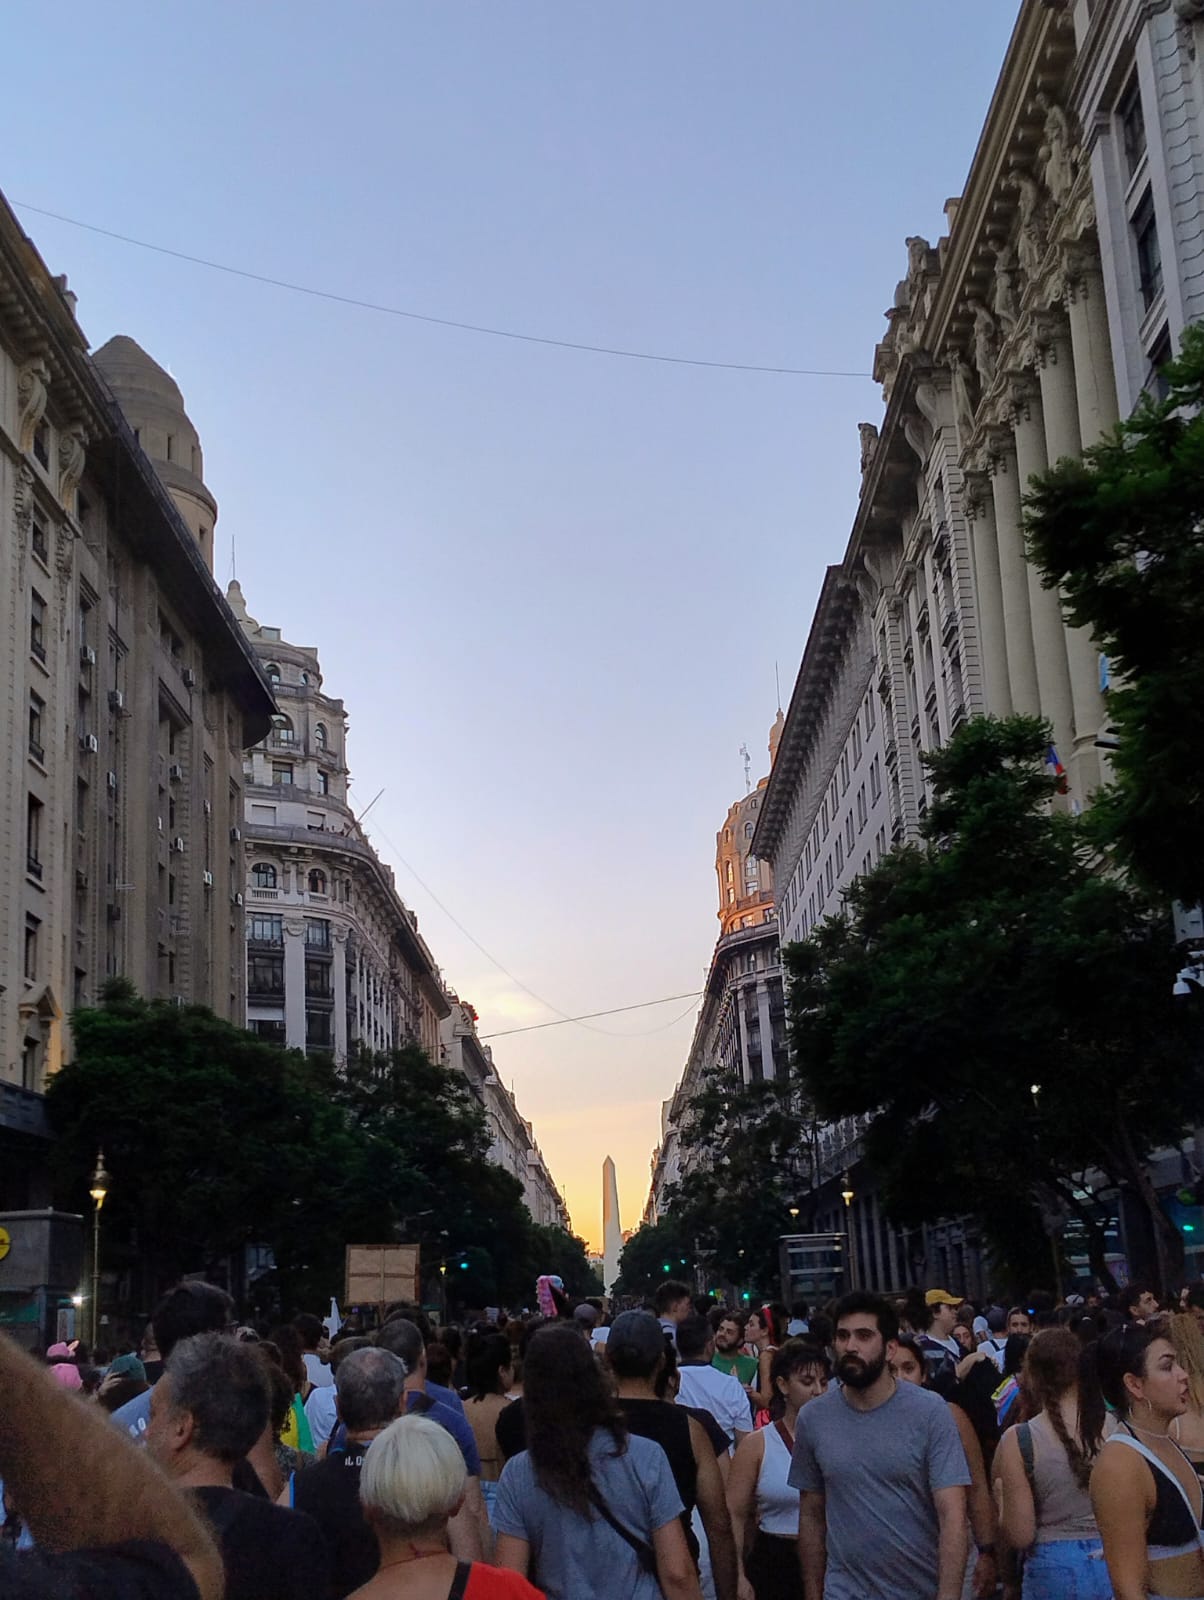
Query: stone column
(1094, 374)
(980, 513)
(766, 1030)
(1057, 371)
(294, 982)
(340, 993)
(1045, 606)
(1013, 577)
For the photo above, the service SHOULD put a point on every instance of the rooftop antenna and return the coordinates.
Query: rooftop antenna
(747, 769)
(233, 556)
(777, 683)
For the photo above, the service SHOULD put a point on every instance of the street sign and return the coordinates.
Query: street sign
(6, 1243)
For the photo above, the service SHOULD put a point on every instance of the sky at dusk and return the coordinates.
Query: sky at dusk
(551, 586)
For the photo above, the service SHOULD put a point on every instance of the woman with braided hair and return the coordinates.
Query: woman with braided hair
(1044, 1468)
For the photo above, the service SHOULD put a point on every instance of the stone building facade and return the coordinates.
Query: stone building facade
(127, 694)
(1071, 265)
(334, 957)
(512, 1144)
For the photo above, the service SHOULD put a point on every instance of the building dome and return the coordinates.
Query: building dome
(154, 407)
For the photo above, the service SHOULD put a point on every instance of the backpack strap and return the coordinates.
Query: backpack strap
(459, 1586)
(644, 1551)
(1024, 1438)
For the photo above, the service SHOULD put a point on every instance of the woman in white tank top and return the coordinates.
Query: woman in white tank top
(763, 1506)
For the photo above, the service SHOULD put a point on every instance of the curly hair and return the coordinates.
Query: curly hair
(566, 1399)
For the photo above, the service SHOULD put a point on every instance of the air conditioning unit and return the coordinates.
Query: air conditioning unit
(235, 835)
(208, 809)
(189, 677)
(238, 899)
(175, 772)
(111, 780)
(89, 743)
(177, 844)
(116, 700)
(87, 656)
(207, 879)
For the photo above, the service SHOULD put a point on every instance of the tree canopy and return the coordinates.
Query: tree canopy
(1120, 531)
(1000, 1008)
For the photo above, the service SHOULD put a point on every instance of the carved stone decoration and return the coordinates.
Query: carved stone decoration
(963, 404)
(976, 492)
(1004, 299)
(1032, 231)
(33, 391)
(1022, 391)
(1078, 262)
(22, 516)
(918, 435)
(1058, 153)
(1048, 327)
(928, 399)
(72, 456)
(1001, 446)
(986, 340)
(869, 445)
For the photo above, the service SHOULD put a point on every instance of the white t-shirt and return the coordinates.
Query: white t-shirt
(322, 1412)
(717, 1392)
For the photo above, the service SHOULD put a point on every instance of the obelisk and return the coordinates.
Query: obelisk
(612, 1228)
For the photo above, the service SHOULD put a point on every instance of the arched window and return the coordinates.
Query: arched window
(263, 875)
(273, 672)
(320, 735)
(729, 872)
(282, 729)
(748, 830)
(317, 881)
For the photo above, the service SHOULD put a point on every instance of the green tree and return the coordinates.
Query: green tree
(1000, 1008)
(650, 1249)
(428, 1157)
(556, 1251)
(1121, 533)
(214, 1140)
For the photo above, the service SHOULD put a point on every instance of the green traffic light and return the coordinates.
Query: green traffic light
(666, 1267)
(464, 1266)
(746, 1295)
(1189, 1227)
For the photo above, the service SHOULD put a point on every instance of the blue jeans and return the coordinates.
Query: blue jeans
(1067, 1569)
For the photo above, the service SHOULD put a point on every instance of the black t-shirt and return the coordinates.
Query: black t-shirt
(510, 1429)
(669, 1426)
(329, 1492)
(269, 1552)
(137, 1570)
(720, 1442)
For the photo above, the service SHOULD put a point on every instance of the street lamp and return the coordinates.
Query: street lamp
(846, 1194)
(98, 1191)
(794, 1213)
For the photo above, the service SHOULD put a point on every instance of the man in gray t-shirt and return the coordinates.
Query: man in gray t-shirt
(882, 1473)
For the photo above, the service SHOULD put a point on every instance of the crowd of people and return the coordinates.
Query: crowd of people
(922, 1448)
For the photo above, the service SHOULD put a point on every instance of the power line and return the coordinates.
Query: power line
(583, 1021)
(439, 322)
(533, 1027)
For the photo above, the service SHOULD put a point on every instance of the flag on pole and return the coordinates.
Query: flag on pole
(334, 1321)
(1056, 768)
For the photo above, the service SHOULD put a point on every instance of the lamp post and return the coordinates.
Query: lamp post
(846, 1194)
(98, 1191)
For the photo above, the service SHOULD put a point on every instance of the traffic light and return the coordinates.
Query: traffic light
(746, 1295)
(464, 1266)
(667, 1267)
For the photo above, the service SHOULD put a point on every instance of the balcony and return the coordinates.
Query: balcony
(949, 625)
(264, 894)
(23, 1111)
(922, 619)
(892, 752)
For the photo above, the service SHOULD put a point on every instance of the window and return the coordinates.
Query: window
(32, 924)
(849, 831)
(317, 882)
(856, 743)
(319, 984)
(41, 443)
(273, 672)
(263, 875)
(33, 836)
(1149, 251)
(748, 829)
(1156, 384)
(320, 735)
(731, 897)
(871, 715)
(282, 772)
(863, 810)
(317, 933)
(839, 855)
(265, 929)
(875, 778)
(315, 821)
(752, 876)
(269, 1032)
(823, 817)
(730, 873)
(323, 783)
(265, 974)
(282, 729)
(318, 1030)
(1132, 127)
(828, 872)
(263, 814)
(36, 707)
(37, 625)
(38, 537)
(844, 771)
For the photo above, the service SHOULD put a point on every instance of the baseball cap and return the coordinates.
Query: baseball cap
(639, 1332)
(67, 1374)
(586, 1313)
(981, 1325)
(127, 1367)
(942, 1297)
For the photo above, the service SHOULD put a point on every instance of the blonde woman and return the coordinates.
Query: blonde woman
(1188, 1430)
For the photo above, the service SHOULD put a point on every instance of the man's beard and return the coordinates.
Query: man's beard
(860, 1374)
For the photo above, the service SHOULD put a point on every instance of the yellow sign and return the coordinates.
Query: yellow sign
(6, 1243)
